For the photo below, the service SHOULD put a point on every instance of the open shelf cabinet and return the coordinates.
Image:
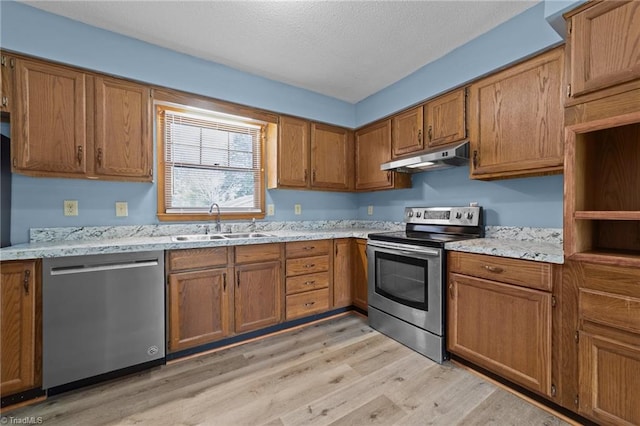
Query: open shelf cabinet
(602, 208)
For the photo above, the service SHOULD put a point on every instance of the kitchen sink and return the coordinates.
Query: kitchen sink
(247, 235)
(196, 237)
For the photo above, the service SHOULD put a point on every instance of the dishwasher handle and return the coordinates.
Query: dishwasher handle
(81, 269)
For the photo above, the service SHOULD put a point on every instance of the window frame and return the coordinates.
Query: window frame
(178, 101)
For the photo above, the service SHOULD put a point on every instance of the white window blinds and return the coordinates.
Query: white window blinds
(210, 159)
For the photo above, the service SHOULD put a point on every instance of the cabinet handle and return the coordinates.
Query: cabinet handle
(336, 250)
(451, 290)
(389, 176)
(313, 176)
(475, 159)
(305, 175)
(308, 247)
(420, 136)
(99, 157)
(224, 281)
(25, 282)
(238, 279)
(80, 154)
(309, 303)
(309, 265)
(5, 101)
(495, 269)
(310, 282)
(150, 172)
(429, 133)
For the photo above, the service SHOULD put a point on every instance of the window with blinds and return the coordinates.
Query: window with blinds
(209, 158)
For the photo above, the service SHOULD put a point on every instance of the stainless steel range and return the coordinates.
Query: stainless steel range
(407, 273)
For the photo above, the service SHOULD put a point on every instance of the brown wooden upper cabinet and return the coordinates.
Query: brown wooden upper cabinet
(604, 46)
(69, 123)
(311, 155)
(7, 67)
(373, 147)
(516, 120)
(445, 118)
(407, 132)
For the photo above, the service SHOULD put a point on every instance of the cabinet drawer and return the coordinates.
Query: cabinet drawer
(307, 265)
(524, 273)
(610, 309)
(197, 258)
(307, 282)
(308, 248)
(257, 253)
(307, 303)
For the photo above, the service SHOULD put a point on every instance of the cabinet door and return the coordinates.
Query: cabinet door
(445, 119)
(257, 296)
(516, 119)
(609, 379)
(18, 327)
(50, 119)
(407, 132)
(342, 272)
(360, 284)
(199, 307)
(331, 157)
(604, 46)
(503, 328)
(123, 146)
(7, 67)
(293, 152)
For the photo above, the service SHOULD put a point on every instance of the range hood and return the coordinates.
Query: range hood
(438, 158)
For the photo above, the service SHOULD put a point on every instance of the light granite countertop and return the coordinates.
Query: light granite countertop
(538, 244)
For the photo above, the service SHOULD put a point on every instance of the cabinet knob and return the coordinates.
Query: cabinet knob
(99, 157)
(475, 159)
(430, 133)
(80, 154)
(420, 136)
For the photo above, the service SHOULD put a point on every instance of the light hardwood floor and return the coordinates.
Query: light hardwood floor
(335, 372)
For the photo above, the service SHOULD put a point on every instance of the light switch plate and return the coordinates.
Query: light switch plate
(370, 210)
(122, 208)
(297, 209)
(271, 210)
(70, 207)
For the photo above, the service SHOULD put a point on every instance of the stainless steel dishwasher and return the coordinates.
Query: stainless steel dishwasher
(101, 313)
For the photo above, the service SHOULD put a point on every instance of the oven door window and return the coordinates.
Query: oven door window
(402, 279)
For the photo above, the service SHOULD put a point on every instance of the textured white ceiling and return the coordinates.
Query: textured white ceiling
(343, 49)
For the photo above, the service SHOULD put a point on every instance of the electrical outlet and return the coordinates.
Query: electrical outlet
(297, 209)
(370, 210)
(71, 207)
(270, 210)
(122, 208)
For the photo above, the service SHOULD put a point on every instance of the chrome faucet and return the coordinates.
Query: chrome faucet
(218, 225)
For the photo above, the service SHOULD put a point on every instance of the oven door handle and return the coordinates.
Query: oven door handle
(403, 249)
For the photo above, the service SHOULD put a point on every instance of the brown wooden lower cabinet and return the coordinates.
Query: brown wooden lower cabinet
(309, 282)
(497, 325)
(342, 272)
(257, 296)
(199, 307)
(609, 343)
(360, 296)
(20, 327)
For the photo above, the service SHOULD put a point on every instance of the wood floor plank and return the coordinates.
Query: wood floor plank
(339, 371)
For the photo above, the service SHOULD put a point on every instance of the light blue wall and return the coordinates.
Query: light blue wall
(515, 39)
(533, 202)
(37, 202)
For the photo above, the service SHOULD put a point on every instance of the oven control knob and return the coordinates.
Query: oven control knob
(458, 215)
(469, 215)
(418, 214)
(410, 214)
